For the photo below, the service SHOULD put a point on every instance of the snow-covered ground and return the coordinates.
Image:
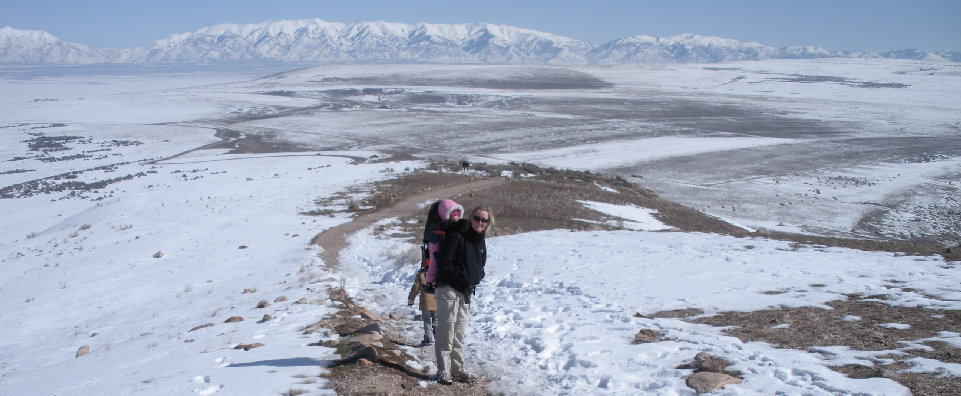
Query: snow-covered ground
(840, 147)
(559, 318)
(180, 238)
(869, 148)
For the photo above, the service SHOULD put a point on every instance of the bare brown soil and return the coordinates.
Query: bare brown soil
(817, 327)
(539, 199)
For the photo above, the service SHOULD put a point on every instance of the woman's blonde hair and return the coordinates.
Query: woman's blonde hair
(490, 216)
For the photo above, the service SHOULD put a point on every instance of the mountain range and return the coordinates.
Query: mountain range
(318, 41)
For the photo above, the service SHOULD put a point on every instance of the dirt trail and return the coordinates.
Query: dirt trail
(386, 376)
(335, 239)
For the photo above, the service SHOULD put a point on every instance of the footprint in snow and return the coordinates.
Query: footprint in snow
(204, 388)
(208, 390)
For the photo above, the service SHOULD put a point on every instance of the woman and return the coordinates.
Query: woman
(439, 214)
(460, 267)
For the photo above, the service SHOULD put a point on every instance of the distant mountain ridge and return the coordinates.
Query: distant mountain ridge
(315, 40)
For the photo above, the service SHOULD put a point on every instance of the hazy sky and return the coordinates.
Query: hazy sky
(876, 25)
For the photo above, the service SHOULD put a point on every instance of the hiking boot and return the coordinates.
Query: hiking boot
(465, 378)
(427, 341)
(445, 381)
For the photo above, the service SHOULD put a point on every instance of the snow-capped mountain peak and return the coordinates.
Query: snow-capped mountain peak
(316, 40)
(32, 36)
(35, 46)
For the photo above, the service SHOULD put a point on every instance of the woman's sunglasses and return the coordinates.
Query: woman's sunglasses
(482, 220)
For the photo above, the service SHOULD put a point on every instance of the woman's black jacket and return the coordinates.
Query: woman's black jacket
(461, 257)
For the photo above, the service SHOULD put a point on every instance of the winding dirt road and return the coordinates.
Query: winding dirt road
(334, 239)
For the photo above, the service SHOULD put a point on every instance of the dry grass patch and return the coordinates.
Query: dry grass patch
(863, 326)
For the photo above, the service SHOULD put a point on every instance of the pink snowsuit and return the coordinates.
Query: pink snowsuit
(444, 211)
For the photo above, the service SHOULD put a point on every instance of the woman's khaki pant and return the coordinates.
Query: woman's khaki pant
(453, 314)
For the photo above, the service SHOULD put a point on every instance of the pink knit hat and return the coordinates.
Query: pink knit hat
(448, 207)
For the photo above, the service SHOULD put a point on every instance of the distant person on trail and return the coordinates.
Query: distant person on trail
(440, 213)
(428, 305)
(460, 262)
(465, 166)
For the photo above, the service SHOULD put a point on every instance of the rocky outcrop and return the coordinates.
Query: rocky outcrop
(710, 373)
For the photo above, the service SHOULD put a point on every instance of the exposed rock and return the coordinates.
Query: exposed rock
(201, 327)
(280, 299)
(706, 382)
(310, 329)
(705, 362)
(263, 304)
(325, 343)
(367, 353)
(709, 374)
(646, 335)
(267, 318)
(396, 354)
(248, 347)
(158, 255)
(365, 339)
(371, 328)
(83, 350)
(366, 314)
(233, 319)
(248, 291)
(712, 364)
(337, 294)
(677, 313)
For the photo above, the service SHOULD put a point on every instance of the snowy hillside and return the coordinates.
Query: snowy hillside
(36, 47)
(318, 41)
(135, 236)
(315, 40)
(687, 48)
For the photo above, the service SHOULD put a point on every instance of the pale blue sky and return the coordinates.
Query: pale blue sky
(876, 25)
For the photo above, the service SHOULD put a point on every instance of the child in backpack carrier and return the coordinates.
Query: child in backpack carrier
(440, 213)
(428, 305)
